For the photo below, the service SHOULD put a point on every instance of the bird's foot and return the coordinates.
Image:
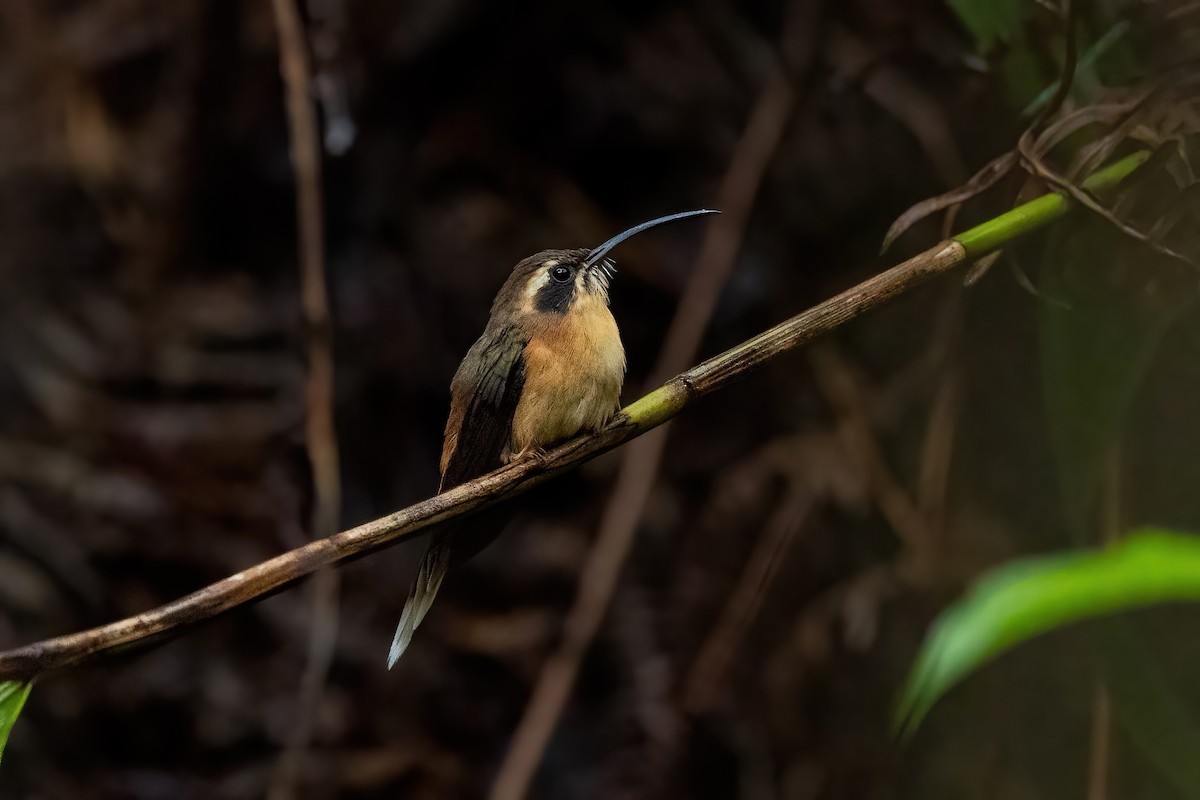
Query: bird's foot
(537, 455)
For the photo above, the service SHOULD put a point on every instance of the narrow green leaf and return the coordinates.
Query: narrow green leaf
(1023, 599)
(1085, 66)
(12, 699)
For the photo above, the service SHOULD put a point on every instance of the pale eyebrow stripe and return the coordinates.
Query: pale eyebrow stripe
(536, 284)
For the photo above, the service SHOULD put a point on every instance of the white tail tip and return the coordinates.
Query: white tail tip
(420, 599)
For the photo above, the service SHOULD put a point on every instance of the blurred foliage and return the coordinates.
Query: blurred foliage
(1027, 598)
(1106, 305)
(1150, 705)
(992, 22)
(1024, 40)
(13, 695)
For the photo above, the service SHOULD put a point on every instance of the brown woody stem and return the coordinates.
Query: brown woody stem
(655, 408)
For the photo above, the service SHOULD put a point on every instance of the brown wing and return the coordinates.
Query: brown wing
(483, 400)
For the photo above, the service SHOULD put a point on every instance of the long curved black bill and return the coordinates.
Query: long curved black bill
(603, 250)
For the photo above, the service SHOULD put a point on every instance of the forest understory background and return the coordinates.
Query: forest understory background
(806, 525)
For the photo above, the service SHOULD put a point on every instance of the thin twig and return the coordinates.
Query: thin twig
(991, 174)
(842, 391)
(1098, 755)
(849, 604)
(900, 97)
(639, 467)
(1111, 522)
(1066, 79)
(319, 429)
(645, 414)
(707, 674)
(1110, 526)
(937, 450)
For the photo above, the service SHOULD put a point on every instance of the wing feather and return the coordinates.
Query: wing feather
(483, 400)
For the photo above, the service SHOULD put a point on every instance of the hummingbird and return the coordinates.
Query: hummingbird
(549, 365)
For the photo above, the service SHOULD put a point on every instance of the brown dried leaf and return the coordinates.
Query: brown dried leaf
(981, 267)
(1055, 133)
(983, 180)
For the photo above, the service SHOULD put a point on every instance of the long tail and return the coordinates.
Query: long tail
(420, 599)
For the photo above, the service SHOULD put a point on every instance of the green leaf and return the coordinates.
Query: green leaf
(12, 699)
(1023, 599)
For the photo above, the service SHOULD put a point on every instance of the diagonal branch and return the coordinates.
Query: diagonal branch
(650, 411)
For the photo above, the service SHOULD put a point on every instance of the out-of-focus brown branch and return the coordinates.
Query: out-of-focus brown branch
(900, 97)
(639, 467)
(1100, 747)
(841, 388)
(320, 434)
(937, 451)
(721, 647)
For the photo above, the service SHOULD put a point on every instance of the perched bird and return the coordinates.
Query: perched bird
(549, 365)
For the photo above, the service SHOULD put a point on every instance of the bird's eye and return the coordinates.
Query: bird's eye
(561, 274)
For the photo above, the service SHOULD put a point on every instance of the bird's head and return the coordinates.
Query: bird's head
(551, 281)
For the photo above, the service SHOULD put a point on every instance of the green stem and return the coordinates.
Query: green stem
(1041, 211)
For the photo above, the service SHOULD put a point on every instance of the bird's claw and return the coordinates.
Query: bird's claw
(536, 455)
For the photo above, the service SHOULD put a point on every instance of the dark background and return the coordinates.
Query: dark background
(151, 374)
